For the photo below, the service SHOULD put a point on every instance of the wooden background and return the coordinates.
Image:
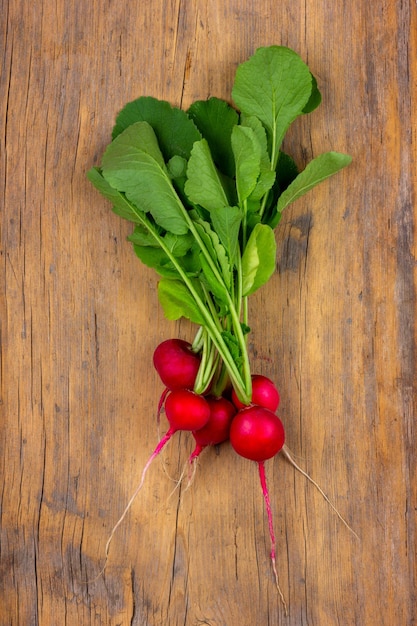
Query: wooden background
(80, 319)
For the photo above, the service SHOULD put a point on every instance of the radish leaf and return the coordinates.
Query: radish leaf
(315, 97)
(133, 164)
(274, 85)
(175, 131)
(121, 205)
(203, 184)
(258, 260)
(216, 119)
(205, 189)
(177, 301)
(208, 277)
(215, 249)
(316, 171)
(247, 153)
(226, 222)
(266, 175)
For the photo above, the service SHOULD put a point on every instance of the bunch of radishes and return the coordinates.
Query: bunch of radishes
(255, 431)
(205, 189)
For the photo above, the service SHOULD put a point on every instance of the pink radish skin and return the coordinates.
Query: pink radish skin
(257, 433)
(184, 410)
(176, 364)
(264, 393)
(218, 426)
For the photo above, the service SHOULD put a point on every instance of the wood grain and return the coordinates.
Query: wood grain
(80, 319)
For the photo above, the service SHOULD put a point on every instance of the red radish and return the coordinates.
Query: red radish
(257, 434)
(186, 410)
(264, 393)
(176, 364)
(218, 426)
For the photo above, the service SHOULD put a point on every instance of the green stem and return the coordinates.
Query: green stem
(273, 167)
(247, 381)
(239, 284)
(198, 340)
(244, 223)
(222, 381)
(211, 321)
(245, 311)
(207, 367)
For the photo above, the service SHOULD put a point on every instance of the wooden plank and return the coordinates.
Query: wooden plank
(80, 319)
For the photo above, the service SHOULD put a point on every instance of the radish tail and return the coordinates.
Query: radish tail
(178, 484)
(154, 454)
(192, 468)
(161, 404)
(195, 453)
(265, 492)
(290, 458)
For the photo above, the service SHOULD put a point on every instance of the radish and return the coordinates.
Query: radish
(210, 260)
(258, 434)
(186, 410)
(217, 428)
(176, 364)
(264, 393)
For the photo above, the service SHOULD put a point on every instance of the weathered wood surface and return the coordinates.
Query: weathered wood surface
(80, 319)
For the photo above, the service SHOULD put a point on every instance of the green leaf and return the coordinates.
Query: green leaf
(247, 153)
(157, 259)
(143, 236)
(226, 222)
(251, 121)
(266, 175)
(215, 248)
(275, 86)
(133, 164)
(175, 131)
(316, 171)
(178, 245)
(315, 97)
(233, 347)
(216, 119)
(208, 277)
(258, 260)
(177, 167)
(204, 186)
(177, 301)
(285, 173)
(152, 248)
(121, 204)
(137, 137)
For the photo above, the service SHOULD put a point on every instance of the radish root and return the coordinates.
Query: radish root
(154, 454)
(177, 486)
(265, 492)
(192, 465)
(290, 458)
(161, 403)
